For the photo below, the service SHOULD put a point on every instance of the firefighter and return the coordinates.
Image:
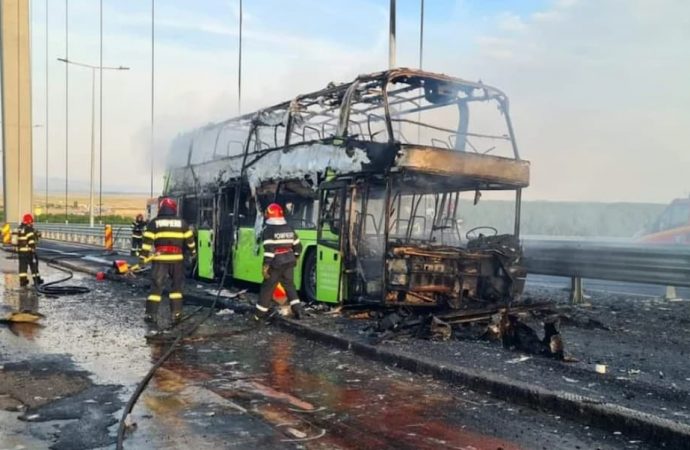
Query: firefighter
(166, 240)
(281, 250)
(138, 227)
(26, 249)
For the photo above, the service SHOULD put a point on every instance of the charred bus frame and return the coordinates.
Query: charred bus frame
(344, 152)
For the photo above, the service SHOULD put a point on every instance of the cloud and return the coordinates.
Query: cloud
(598, 88)
(511, 23)
(196, 81)
(597, 91)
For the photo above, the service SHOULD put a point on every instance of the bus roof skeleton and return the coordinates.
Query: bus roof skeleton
(382, 161)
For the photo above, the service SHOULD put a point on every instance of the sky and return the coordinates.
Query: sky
(598, 88)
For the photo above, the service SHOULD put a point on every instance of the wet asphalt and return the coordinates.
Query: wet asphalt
(232, 385)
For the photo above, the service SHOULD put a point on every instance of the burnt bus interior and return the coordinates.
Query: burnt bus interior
(394, 217)
(403, 243)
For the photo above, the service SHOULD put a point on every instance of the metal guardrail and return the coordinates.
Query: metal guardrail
(628, 262)
(597, 259)
(83, 234)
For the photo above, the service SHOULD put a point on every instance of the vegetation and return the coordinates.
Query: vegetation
(75, 218)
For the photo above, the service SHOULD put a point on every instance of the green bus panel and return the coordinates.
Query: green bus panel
(205, 254)
(328, 270)
(247, 261)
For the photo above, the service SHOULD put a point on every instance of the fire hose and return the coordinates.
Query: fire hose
(52, 287)
(173, 346)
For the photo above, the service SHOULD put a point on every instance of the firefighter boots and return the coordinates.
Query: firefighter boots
(151, 314)
(175, 311)
(298, 311)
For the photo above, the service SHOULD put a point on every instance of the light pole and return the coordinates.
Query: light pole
(93, 122)
(391, 36)
(153, 83)
(239, 68)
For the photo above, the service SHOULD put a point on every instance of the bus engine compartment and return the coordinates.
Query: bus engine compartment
(488, 271)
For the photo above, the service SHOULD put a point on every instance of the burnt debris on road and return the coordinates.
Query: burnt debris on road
(232, 384)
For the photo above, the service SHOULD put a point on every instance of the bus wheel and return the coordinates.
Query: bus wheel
(309, 277)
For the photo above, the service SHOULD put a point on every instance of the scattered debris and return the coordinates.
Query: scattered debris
(502, 324)
(296, 433)
(319, 435)
(519, 360)
(225, 293)
(600, 368)
(517, 335)
(440, 330)
(130, 424)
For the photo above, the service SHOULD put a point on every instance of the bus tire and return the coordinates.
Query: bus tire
(309, 276)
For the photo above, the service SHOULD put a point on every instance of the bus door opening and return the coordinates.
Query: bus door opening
(329, 241)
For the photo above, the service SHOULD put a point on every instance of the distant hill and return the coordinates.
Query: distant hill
(564, 218)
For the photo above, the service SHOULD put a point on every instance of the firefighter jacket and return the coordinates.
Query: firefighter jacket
(281, 243)
(166, 238)
(26, 238)
(138, 229)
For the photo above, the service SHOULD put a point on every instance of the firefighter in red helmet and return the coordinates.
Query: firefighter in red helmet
(281, 251)
(138, 227)
(166, 241)
(27, 238)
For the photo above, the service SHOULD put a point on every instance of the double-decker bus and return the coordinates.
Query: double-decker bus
(371, 174)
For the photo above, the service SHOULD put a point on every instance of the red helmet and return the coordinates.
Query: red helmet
(28, 219)
(274, 211)
(168, 204)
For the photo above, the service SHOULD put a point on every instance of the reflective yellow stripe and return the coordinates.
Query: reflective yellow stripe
(150, 235)
(168, 258)
(24, 250)
(154, 298)
(191, 245)
(175, 296)
(170, 235)
(23, 275)
(22, 238)
(146, 246)
(188, 234)
(28, 235)
(278, 241)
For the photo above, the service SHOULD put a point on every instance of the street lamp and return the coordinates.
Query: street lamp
(93, 122)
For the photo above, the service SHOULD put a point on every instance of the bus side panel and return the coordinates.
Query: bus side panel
(205, 254)
(246, 262)
(328, 262)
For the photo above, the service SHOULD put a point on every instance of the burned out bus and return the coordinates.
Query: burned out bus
(372, 175)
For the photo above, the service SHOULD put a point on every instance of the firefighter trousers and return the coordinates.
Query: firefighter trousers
(160, 272)
(136, 244)
(283, 274)
(27, 260)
